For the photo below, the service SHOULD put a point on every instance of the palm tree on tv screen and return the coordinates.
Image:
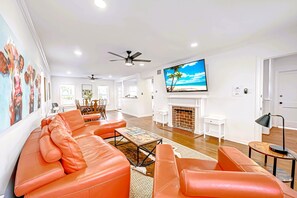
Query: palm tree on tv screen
(176, 74)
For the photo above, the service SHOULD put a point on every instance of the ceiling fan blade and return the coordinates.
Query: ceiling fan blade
(140, 60)
(116, 55)
(135, 55)
(117, 60)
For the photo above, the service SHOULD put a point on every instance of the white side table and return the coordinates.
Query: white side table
(163, 113)
(218, 121)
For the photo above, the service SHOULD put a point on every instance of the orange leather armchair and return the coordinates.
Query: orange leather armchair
(234, 175)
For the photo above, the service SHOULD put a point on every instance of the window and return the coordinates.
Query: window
(67, 94)
(103, 92)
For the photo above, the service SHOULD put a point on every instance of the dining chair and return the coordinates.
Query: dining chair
(102, 107)
(84, 110)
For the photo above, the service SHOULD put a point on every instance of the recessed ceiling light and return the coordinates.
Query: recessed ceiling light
(194, 44)
(110, 76)
(141, 64)
(69, 72)
(77, 52)
(100, 3)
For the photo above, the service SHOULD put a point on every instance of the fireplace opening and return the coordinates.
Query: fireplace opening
(183, 118)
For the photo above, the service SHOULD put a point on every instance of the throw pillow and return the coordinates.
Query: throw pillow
(49, 151)
(72, 157)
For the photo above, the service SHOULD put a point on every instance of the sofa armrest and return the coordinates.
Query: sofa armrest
(225, 184)
(90, 182)
(166, 174)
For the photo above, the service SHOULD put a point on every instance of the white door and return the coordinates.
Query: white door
(287, 97)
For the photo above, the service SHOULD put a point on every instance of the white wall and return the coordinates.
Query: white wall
(13, 139)
(234, 67)
(77, 82)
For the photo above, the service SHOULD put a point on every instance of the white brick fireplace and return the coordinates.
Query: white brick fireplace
(192, 101)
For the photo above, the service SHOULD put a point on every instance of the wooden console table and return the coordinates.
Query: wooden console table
(263, 148)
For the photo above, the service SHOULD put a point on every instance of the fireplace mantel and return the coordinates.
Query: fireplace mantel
(187, 96)
(195, 101)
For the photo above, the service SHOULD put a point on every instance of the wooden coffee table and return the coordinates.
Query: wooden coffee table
(139, 137)
(263, 148)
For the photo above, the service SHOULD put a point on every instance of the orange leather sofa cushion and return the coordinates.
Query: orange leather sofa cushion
(226, 184)
(49, 151)
(72, 158)
(57, 121)
(91, 117)
(105, 129)
(73, 118)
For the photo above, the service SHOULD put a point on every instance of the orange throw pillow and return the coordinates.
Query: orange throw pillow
(44, 131)
(59, 122)
(49, 151)
(72, 157)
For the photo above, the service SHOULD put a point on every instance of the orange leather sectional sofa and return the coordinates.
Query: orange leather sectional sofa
(234, 175)
(69, 158)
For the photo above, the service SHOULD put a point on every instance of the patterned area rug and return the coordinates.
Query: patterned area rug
(142, 185)
(130, 151)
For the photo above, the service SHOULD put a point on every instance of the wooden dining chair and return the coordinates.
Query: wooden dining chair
(102, 107)
(84, 110)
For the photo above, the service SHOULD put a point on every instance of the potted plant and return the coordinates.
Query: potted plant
(87, 95)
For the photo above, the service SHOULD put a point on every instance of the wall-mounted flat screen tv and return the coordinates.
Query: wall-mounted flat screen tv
(188, 77)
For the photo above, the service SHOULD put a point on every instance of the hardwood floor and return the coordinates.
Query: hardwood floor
(209, 145)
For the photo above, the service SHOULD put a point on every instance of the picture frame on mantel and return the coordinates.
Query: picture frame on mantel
(85, 87)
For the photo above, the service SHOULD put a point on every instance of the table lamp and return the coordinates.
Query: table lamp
(265, 122)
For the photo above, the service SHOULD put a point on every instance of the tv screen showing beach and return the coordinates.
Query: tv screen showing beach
(188, 77)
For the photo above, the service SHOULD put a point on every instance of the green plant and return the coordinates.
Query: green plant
(87, 94)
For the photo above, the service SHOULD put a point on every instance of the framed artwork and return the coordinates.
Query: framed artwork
(44, 80)
(85, 88)
(49, 90)
(20, 80)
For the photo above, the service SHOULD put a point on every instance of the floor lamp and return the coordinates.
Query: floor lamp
(265, 122)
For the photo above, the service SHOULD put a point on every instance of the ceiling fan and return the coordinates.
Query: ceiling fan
(130, 59)
(92, 77)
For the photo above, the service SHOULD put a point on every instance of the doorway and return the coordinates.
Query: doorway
(286, 97)
(279, 94)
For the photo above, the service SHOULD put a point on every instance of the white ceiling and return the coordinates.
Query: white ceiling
(161, 29)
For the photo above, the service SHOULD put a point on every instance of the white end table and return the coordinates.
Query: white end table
(214, 120)
(163, 113)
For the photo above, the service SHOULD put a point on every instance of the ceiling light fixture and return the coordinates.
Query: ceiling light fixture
(129, 62)
(194, 44)
(110, 76)
(77, 52)
(100, 3)
(68, 72)
(141, 64)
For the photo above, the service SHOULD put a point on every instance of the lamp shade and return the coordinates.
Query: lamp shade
(264, 120)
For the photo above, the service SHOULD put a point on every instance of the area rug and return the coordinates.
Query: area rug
(130, 151)
(142, 185)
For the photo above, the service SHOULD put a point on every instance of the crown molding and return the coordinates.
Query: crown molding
(29, 22)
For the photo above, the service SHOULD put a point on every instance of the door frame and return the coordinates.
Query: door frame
(259, 91)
